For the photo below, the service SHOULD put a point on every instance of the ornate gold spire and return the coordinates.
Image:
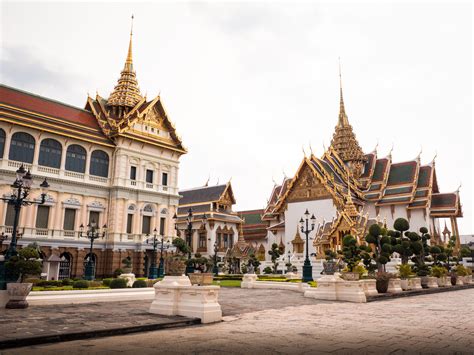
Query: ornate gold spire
(344, 141)
(349, 208)
(126, 93)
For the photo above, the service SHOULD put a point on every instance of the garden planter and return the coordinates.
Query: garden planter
(414, 283)
(17, 293)
(442, 281)
(404, 284)
(201, 279)
(176, 267)
(394, 286)
(329, 267)
(432, 282)
(467, 280)
(424, 281)
(350, 276)
(382, 286)
(459, 280)
(454, 280)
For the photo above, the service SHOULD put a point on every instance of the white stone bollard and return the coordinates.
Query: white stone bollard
(248, 281)
(369, 286)
(175, 295)
(129, 277)
(432, 282)
(394, 286)
(414, 283)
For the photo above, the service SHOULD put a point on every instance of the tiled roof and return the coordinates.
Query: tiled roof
(443, 200)
(195, 209)
(26, 109)
(379, 171)
(251, 217)
(402, 173)
(202, 194)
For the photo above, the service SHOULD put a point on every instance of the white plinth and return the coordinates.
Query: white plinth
(432, 282)
(292, 276)
(129, 277)
(3, 298)
(414, 283)
(369, 286)
(175, 295)
(394, 286)
(333, 288)
(248, 281)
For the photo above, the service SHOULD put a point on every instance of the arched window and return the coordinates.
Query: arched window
(22, 147)
(94, 261)
(76, 159)
(2, 142)
(50, 153)
(99, 163)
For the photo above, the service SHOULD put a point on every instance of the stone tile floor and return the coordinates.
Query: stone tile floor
(429, 324)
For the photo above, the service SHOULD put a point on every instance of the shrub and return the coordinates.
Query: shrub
(66, 282)
(461, 270)
(401, 225)
(267, 270)
(405, 271)
(80, 284)
(106, 282)
(118, 283)
(95, 283)
(25, 264)
(48, 283)
(438, 271)
(139, 284)
(361, 270)
(118, 272)
(33, 281)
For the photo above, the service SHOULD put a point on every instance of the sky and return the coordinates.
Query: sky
(250, 85)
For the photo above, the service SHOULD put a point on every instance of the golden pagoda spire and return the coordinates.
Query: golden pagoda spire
(126, 93)
(343, 120)
(344, 141)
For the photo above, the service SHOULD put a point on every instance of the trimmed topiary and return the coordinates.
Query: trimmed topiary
(139, 284)
(118, 283)
(66, 282)
(401, 225)
(106, 282)
(81, 284)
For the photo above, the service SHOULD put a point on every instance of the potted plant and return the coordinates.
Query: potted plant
(26, 264)
(382, 280)
(330, 265)
(440, 273)
(461, 273)
(351, 256)
(382, 245)
(127, 265)
(201, 265)
(405, 272)
(177, 263)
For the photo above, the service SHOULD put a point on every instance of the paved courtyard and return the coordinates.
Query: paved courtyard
(435, 324)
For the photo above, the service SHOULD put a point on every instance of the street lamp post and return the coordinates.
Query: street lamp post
(289, 262)
(18, 199)
(305, 228)
(92, 233)
(189, 235)
(156, 272)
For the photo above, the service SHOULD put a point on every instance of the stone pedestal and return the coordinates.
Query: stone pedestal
(404, 284)
(369, 286)
(248, 280)
(175, 295)
(129, 277)
(394, 286)
(432, 282)
(292, 276)
(414, 283)
(3, 298)
(333, 288)
(442, 281)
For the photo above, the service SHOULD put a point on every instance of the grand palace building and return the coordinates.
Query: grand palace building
(347, 190)
(114, 162)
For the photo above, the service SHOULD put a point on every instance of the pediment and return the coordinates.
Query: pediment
(307, 187)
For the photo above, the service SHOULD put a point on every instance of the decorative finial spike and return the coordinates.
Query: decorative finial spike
(304, 153)
(131, 28)
(343, 120)
(310, 148)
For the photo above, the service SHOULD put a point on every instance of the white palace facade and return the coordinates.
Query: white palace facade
(115, 162)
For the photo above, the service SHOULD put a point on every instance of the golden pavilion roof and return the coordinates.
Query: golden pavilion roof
(126, 93)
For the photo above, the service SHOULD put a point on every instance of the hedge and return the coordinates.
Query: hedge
(118, 283)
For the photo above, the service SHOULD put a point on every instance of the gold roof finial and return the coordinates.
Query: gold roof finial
(343, 120)
(349, 208)
(126, 93)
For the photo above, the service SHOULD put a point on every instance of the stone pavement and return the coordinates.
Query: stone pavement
(430, 324)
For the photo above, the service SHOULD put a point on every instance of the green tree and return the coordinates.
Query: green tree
(382, 243)
(351, 252)
(25, 264)
(275, 253)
